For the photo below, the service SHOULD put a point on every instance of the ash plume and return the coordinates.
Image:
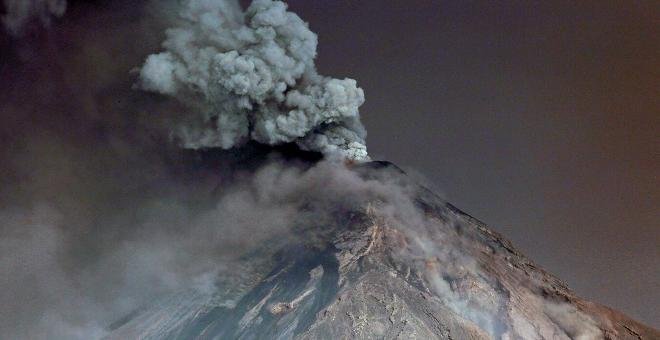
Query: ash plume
(251, 76)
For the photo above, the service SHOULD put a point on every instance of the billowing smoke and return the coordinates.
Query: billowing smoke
(251, 76)
(19, 13)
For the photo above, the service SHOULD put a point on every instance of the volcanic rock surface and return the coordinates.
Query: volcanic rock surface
(365, 276)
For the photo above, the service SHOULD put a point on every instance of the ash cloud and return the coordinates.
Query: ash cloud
(251, 76)
(94, 252)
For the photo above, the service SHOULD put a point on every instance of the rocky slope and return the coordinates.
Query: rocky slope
(366, 275)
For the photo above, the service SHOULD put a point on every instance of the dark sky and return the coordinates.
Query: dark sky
(540, 119)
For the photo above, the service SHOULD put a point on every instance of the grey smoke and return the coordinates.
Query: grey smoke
(75, 268)
(251, 76)
(19, 13)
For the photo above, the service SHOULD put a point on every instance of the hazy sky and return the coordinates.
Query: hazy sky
(540, 119)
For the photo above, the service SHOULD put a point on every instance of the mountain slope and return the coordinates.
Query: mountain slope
(380, 270)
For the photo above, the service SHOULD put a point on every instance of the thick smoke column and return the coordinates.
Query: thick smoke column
(20, 12)
(251, 76)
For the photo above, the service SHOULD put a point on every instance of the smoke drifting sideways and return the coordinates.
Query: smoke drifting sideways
(251, 76)
(72, 271)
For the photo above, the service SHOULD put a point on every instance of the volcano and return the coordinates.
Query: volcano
(220, 186)
(364, 273)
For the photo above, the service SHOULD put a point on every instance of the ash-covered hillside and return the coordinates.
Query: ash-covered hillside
(371, 255)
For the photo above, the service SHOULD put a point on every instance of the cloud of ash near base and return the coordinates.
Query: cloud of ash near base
(75, 268)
